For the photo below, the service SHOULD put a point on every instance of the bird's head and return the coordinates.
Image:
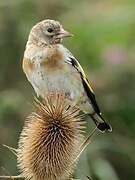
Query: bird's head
(48, 32)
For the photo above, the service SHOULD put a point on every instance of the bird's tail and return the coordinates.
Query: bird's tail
(101, 124)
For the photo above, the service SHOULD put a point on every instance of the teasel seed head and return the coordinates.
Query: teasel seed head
(50, 140)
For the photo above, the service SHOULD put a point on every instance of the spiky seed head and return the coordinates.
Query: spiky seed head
(50, 140)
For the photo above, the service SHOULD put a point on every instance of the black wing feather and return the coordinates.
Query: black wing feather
(88, 91)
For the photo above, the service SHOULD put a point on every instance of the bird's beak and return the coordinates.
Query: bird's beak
(62, 33)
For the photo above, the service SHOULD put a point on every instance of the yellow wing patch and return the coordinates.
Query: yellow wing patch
(80, 69)
(85, 79)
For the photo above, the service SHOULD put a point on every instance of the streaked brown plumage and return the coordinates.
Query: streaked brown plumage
(50, 140)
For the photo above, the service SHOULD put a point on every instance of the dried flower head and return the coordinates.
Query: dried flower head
(50, 140)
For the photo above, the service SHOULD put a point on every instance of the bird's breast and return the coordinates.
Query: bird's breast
(53, 60)
(47, 71)
(64, 80)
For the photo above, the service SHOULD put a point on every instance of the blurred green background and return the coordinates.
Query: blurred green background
(104, 43)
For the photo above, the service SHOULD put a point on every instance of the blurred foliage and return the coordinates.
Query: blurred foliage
(104, 43)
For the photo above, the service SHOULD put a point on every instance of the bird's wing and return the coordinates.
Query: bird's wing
(87, 87)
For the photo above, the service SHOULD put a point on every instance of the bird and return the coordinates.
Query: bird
(50, 67)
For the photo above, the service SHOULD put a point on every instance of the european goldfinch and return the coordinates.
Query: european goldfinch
(50, 67)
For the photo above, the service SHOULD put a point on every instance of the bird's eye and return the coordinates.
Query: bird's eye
(50, 30)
